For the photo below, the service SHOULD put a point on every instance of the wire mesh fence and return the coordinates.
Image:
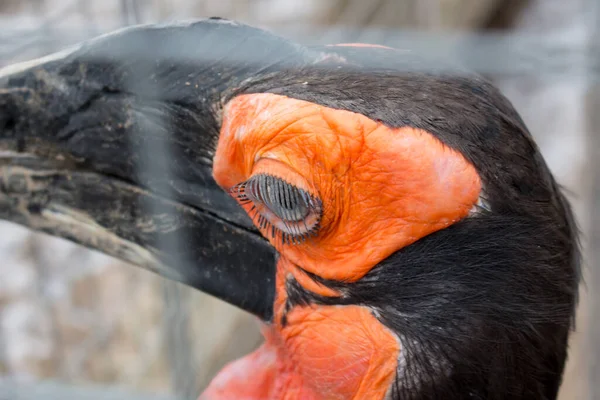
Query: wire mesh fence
(71, 317)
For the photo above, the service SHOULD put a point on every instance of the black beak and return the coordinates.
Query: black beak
(110, 145)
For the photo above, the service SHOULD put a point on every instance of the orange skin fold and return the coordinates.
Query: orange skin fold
(305, 359)
(381, 189)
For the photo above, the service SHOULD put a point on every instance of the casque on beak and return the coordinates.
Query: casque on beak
(110, 145)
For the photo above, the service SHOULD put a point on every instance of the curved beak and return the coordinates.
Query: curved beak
(110, 145)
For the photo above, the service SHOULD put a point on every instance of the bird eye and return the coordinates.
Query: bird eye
(279, 207)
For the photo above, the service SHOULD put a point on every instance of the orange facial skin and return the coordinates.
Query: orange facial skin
(381, 190)
(333, 353)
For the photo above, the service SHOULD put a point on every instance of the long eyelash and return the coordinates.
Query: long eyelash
(258, 186)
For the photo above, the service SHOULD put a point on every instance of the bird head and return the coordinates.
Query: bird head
(389, 219)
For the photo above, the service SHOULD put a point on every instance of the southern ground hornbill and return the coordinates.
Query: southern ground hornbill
(387, 216)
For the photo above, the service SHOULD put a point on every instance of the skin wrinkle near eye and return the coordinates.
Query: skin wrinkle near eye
(359, 137)
(268, 124)
(335, 152)
(268, 143)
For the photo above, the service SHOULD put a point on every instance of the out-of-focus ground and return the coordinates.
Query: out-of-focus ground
(77, 317)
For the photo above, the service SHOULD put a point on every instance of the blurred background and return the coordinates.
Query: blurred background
(75, 324)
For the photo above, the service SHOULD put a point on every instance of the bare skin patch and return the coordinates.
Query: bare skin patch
(305, 359)
(381, 188)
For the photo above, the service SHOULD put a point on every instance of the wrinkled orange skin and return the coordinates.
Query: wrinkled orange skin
(382, 189)
(335, 353)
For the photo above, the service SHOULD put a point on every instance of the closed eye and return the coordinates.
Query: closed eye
(280, 208)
